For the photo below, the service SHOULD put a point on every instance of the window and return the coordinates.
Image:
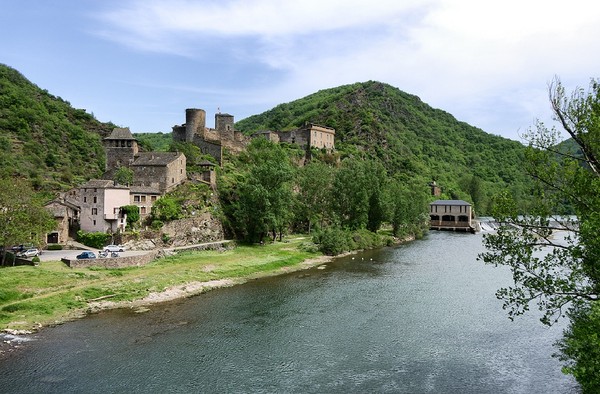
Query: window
(94, 222)
(136, 198)
(172, 180)
(143, 198)
(94, 211)
(95, 199)
(84, 199)
(152, 198)
(143, 210)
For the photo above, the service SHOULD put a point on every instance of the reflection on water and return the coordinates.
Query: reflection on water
(421, 318)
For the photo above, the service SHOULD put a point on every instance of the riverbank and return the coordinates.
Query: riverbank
(32, 298)
(52, 293)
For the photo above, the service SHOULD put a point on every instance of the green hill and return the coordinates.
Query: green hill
(44, 139)
(55, 146)
(409, 137)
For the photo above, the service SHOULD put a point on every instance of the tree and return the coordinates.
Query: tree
(166, 209)
(555, 260)
(124, 176)
(264, 195)
(314, 191)
(406, 206)
(23, 219)
(350, 201)
(133, 215)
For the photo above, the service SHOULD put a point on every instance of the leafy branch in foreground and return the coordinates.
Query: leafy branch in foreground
(555, 258)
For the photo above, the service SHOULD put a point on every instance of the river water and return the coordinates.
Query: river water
(420, 318)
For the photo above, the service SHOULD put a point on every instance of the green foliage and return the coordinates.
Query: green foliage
(157, 224)
(312, 202)
(410, 139)
(580, 347)
(260, 201)
(166, 209)
(334, 240)
(553, 258)
(133, 215)
(23, 219)
(94, 240)
(54, 247)
(154, 142)
(123, 176)
(43, 138)
(407, 206)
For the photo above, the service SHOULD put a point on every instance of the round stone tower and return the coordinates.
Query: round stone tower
(195, 122)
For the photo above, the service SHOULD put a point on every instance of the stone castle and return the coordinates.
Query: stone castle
(224, 136)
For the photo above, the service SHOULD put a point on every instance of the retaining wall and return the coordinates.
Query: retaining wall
(113, 262)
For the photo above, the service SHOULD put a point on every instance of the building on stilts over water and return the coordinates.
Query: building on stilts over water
(455, 215)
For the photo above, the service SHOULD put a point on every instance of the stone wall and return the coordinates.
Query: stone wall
(209, 148)
(195, 230)
(113, 262)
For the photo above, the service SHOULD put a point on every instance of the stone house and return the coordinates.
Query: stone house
(66, 215)
(451, 215)
(100, 204)
(144, 197)
(310, 135)
(161, 170)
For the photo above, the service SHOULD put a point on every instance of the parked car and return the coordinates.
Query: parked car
(21, 248)
(29, 253)
(86, 255)
(113, 248)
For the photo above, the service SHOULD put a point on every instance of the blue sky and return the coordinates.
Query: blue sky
(141, 63)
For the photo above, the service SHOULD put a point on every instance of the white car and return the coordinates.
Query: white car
(29, 253)
(113, 248)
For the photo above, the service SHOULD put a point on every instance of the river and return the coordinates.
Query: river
(419, 318)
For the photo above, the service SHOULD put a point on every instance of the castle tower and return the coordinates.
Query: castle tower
(121, 149)
(195, 123)
(224, 125)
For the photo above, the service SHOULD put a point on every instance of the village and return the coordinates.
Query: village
(96, 206)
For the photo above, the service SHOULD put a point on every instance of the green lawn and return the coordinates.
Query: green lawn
(31, 297)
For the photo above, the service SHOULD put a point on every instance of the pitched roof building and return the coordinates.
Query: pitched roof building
(451, 215)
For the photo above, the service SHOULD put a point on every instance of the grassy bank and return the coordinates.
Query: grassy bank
(32, 297)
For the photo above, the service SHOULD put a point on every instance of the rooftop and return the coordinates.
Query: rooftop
(101, 184)
(156, 158)
(120, 133)
(450, 202)
(144, 190)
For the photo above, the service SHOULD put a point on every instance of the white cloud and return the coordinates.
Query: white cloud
(471, 56)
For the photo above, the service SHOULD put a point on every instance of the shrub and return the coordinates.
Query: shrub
(55, 247)
(333, 241)
(94, 240)
(157, 224)
(133, 214)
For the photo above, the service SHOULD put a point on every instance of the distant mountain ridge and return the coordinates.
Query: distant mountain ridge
(44, 139)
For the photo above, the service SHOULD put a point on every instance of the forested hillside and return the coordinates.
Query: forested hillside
(410, 138)
(44, 139)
